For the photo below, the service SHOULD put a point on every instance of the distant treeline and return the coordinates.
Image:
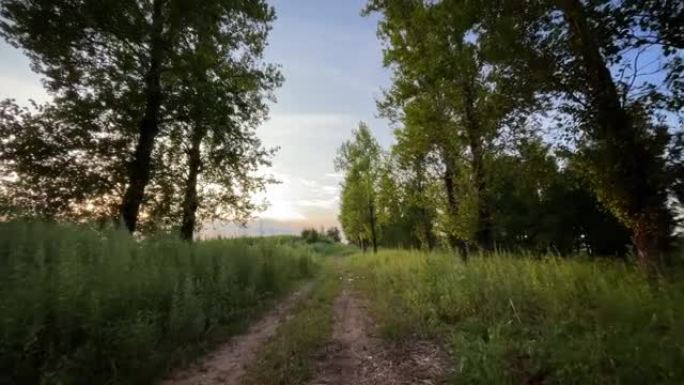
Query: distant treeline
(550, 126)
(331, 235)
(153, 112)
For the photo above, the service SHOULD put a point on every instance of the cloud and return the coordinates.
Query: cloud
(334, 175)
(319, 203)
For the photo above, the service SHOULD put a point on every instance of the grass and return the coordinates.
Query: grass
(78, 306)
(289, 357)
(513, 320)
(333, 249)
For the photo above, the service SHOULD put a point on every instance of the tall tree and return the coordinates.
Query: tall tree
(218, 118)
(595, 71)
(581, 56)
(444, 83)
(120, 61)
(360, 158)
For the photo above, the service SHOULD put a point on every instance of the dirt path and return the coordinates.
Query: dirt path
(357, 356)
(226, 365)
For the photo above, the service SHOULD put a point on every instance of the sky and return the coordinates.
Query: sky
(332, 63)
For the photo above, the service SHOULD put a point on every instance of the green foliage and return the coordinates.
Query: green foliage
(155, 104)
(331, 235)
(512, 320)
(80, 306)
(333, 249)
(466, 73)
(360, 160)
(289, 357)
(541, 207)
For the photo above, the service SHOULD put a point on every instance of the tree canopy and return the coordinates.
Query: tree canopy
(146, 94)
(533, 124)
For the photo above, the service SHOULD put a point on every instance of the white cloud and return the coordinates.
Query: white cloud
(304, 165)
(319, 203)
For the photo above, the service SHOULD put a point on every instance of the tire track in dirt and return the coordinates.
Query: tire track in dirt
(357, 356)
(226, 365)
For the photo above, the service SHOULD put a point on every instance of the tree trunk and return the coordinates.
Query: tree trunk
(474, 132)
(374, 235)
(484, 225)
(452, 205)
(190, 200)
(640, 202)
(427, 228)
(424, 214)
(140, 167)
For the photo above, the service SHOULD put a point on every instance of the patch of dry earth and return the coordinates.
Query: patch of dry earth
(226, 365)
(357, 356)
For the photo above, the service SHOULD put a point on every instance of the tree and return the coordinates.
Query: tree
(184, 73)
(334, 235)
(622, 146)
(544, 207)
(56, 168)
(444, 85)
(122, 62)
(359, 158)
(563, 51)
(218, 119)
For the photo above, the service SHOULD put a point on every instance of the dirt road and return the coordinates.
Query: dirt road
(357, 356)
(225, 366)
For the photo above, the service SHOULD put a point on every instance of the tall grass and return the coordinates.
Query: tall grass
(533, 321)
(79, 306)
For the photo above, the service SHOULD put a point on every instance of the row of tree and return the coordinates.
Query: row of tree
(529, 124)
(330, 235)
(154, 109)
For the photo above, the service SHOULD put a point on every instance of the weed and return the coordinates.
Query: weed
(512, 320)
(78, 306)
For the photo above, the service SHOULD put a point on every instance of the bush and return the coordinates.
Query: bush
(547, 321)
(78, 306)
(331, 235)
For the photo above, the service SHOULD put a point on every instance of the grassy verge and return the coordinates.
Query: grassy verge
(289, 357)
(514, 320)
(78, 306)
(333, 249)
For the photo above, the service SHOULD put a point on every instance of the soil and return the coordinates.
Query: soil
(226, 365)
(357, 356)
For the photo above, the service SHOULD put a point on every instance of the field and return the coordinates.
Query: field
(512, 320)
(82, 306)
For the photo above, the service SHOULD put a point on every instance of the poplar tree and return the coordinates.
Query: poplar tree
(124, 67)
(123, 62)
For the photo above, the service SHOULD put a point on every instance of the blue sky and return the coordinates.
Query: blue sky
(332, 62)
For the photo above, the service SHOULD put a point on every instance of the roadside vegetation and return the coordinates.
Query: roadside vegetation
(507, 319)
(327, 242)
(79, 306)
(547, 127)
(289, 358)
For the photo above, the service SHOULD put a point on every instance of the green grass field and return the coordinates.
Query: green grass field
(288, 359)
(84, 307)
(80, 306)
(514, 320)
